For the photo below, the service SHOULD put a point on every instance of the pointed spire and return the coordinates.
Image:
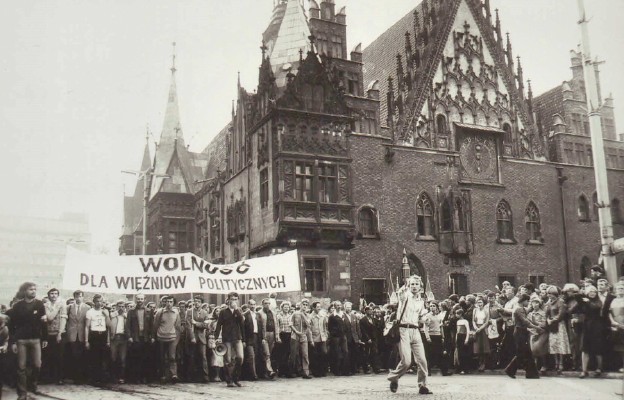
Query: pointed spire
(530, 99)
(497, 28)
(408, 50)
(171, 125)
(510, 61)
(238, 85)
(520, 77)
(264, 49)
(399, 72)
(488, 13)
(416, 28)
(173, 57)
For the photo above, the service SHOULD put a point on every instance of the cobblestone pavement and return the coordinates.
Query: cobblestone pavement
(361, 387)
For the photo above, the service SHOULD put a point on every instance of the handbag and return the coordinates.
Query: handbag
(393, 335)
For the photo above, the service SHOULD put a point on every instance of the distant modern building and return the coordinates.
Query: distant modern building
(33, 249)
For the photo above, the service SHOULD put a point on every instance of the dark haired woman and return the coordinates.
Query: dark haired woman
(462, 339)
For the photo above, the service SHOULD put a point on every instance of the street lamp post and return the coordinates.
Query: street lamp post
(149, 172)
(144, 175)
(598, 154)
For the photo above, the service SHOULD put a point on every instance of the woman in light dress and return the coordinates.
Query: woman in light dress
(558, 341)
(480, 323)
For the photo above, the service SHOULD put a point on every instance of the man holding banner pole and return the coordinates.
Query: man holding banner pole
(196, 322)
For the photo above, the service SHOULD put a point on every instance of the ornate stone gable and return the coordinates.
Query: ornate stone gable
(313, 89)
(455, 70)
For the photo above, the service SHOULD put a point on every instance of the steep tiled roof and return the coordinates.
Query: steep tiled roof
(216, 152)
(548, 104)
(287, 34)
(380, 57)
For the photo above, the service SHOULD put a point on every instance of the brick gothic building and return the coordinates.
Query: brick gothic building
(425, 141)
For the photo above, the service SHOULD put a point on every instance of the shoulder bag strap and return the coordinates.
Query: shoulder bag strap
(403, 312)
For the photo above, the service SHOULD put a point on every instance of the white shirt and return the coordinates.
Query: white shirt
(414, 310)
(121, 324)
(98, 320)
(255, 321)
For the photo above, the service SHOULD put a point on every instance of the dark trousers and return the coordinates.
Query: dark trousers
(435, 354)
(53, 360)
(338, 355)
(141, 366)
(464, 353)
(318, 359)
(523, 358)
(354, 356)
(198, 365)
(284, 354)
(508, 347)
(77, 370)
(98, 352)
(370, 358)
(251, 351)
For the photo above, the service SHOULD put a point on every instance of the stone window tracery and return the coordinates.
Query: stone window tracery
(504, 222)
(533, 224)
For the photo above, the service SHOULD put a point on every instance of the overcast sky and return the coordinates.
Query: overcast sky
(81, 80)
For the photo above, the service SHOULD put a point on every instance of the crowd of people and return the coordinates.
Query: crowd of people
(576, 327)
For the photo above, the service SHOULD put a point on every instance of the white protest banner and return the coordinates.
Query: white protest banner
(179, 273)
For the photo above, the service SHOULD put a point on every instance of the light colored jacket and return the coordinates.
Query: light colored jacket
(318, 328)
(76, 319)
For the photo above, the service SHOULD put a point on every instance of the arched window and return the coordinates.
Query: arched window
(533, 226)
(595, 206)
(367, 221)
(507, 129)
(441, 124)
(504, 222)
(424, 215)
(616, 214)
(583, 208)
(447, 216)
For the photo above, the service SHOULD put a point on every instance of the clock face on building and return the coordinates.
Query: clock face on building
(478, 155)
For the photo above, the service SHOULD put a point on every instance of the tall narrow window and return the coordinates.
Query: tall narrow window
(447, 216)
(327, 183)
(533, 225)
(264, 188)
(367, 222)
(424, 216)
(583, 208)
(616, 214)
(460, 220)
(303, 181)
(504, 222)
(441, 124)
(507, 128)
(314, 274)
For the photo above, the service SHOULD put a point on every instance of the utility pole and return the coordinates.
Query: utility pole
(148, 173)
(598, 154)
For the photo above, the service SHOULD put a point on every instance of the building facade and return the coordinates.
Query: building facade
(427, 142)
(33, 249)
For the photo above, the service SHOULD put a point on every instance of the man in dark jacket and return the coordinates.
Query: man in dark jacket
(368, 332)
(253, 338)
(339, 353)
(28, 334)
(231, 327)
(139, 329)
